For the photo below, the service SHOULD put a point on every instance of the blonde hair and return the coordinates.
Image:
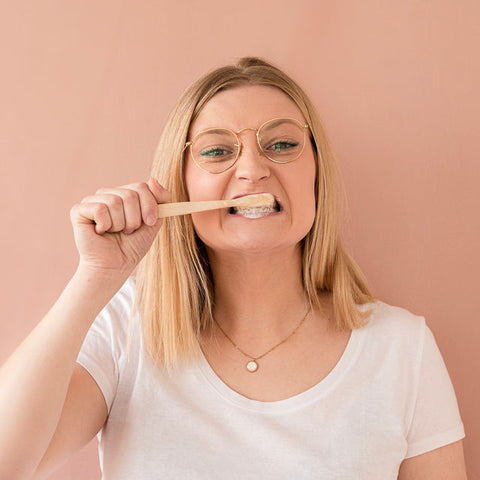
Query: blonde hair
(174, 292)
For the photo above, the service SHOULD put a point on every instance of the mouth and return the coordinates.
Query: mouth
(256, 212)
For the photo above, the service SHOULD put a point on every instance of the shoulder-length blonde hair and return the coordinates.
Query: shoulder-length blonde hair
(174, 292)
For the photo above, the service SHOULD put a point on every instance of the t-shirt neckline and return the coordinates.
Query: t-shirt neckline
(297, 401)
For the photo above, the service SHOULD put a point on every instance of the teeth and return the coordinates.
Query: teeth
(252, 212)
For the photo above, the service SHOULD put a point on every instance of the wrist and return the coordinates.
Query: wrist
(98, 286)
(100, 277)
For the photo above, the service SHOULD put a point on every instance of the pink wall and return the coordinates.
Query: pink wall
(86, 88)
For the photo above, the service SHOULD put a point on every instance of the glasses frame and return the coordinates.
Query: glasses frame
(239, 142)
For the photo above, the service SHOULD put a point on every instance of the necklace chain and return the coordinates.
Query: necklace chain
(252, 366)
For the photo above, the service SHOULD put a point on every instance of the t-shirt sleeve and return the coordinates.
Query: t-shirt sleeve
(104, 346)
(436, 418)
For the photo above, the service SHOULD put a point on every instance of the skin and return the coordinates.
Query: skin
(50, 406)
(292, 182)
(258, 259)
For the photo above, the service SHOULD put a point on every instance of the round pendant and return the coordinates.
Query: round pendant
(252, 366)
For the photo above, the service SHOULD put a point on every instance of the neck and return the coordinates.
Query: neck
(258, 296)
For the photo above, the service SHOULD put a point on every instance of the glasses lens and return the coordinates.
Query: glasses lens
(282, 140)
(215, 150)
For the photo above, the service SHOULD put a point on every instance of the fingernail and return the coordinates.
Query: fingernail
(151, 220)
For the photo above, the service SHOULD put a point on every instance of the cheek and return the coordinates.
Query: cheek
(308, 204)
(202, 186)
(188, 175)
(302, 184)
(197, 182)
(303, 195)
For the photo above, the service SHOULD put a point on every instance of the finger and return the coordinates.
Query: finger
(162, 195)
(150, 195)
(147, 194)
(95, 214)
(132, 210)
(114, 202)
(130, 205)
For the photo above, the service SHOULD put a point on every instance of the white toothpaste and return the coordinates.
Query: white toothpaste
(253, 212)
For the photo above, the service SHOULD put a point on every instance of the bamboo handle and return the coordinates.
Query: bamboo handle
(183, 208)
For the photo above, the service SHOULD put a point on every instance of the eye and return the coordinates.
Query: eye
(282, 145)
(215, 152)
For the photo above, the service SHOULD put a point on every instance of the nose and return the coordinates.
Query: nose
(252, 165)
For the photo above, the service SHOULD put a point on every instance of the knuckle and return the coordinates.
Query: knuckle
(74, 211)
(133, 221)
(86, 199)
(115, 201)
(132, 226)
(100, 209)
(130, 195)
(140, 185)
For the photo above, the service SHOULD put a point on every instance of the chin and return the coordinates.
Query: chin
(252, 245)
(252, 238)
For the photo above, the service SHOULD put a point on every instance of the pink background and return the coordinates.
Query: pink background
(86, 88)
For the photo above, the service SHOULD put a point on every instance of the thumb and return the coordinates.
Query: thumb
(159, 192)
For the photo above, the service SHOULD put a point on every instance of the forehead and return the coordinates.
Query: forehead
(245, 106)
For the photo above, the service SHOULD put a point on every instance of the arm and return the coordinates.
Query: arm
(436, 427)
(444, 463)
(83, 415)
(41, 388)
(35, 379)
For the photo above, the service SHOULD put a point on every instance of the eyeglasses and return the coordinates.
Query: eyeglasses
(215, 150)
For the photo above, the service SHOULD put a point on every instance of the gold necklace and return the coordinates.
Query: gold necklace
(252, 365)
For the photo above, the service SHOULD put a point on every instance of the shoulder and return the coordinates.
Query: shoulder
(392, 320)
(394, 333)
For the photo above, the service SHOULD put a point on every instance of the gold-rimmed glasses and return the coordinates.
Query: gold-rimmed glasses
(215, 150)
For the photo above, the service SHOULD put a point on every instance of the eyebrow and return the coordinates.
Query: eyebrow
(212, 130)
(279, 120)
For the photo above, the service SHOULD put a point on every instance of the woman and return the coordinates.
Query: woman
(255, 349)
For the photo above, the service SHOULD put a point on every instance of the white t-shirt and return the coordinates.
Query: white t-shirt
(388, 398)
